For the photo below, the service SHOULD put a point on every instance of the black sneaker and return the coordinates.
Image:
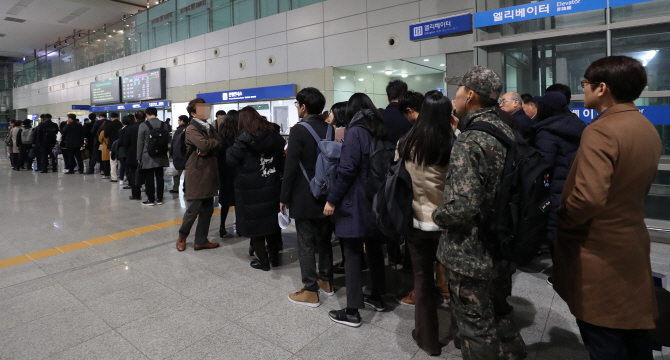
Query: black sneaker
(550, 281)
(338, 268)
(341, 317)
(159, 202)
(147, 203)
(174, 192)
(377, 304)
(134, 198)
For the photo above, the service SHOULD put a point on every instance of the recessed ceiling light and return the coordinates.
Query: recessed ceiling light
(443, 65)
(404, 75)
(426, 59)
(343, 77)
(369, 66)
(361, 79)
(388, 72)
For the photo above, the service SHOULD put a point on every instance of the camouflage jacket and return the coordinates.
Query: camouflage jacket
(477, 161)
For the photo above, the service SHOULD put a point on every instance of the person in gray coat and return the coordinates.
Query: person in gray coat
(152, 166)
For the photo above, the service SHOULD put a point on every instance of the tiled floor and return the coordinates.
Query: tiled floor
(138, 298)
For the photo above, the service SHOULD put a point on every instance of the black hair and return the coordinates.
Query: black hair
(185, 119)
(152, 111)
(114, 115)
(544, 112)
(339, 111)
(41, 116)
(72, 116)
(140, 116)
(91, 116)
(103, 115)
(528, 98)
(431, 93)
(395, 88)
(563, 89)
(47, 116)
(429, 141)
(313, 100)
(220, 113)
(27, 122)
(410, 100)
(230, 127)
(375, 125)
(624, 76)
(62, 125)
(128, 120)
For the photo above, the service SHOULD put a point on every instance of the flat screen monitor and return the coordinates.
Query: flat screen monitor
(106, 92)
(144, 86)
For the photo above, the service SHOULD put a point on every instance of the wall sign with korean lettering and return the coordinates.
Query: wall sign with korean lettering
(440, 27)
(536, 10)
(262, 93)
(658, 115)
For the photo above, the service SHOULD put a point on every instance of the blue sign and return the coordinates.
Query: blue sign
(32, 117)
(136, 106)
(261, 93)
(441, 27)
(81, 107)
(615, 3)
(658, 115)
(537, 10)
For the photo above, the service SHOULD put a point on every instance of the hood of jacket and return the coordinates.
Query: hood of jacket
(563, 125)
(266, 142)
(361, 118)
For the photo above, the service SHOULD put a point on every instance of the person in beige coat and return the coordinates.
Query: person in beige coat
(15, 148)
(602, 266)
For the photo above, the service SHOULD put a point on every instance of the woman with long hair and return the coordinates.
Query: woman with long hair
(338, 118)
(354, 221)
(257, 155)
(426, 150)
(228, 132)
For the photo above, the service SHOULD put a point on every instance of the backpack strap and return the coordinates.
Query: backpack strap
(317, 139)
(493, 131)
(148, 124)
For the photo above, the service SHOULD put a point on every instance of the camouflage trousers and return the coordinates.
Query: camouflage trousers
(485, 318)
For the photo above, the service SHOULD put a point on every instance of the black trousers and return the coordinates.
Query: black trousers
(136, 191)
(38, 157)
(24, 160)
(14, 159)
(95, 157)
(104, 167)
(46, 153)
(154, 192)
(72, 156)
(615, 344)
(353, 250)
(66, 158)
(225, 207)
(201, 209)
(314, 236)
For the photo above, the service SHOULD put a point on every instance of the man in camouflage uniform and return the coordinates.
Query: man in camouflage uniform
(478, 286)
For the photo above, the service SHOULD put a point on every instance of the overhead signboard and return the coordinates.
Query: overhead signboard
(440, 27)
(81, 107)
(136, 106)
(261, 93)
(144, 86)
(615, 3)
(106, 92)
(658, 115)
(536, 10)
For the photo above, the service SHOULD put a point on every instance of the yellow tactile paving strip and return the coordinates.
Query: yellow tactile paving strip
(91, 242)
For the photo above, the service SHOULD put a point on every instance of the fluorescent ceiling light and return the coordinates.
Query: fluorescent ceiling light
(361, 79)
(647, 56)
(404, 75)
(388, 72)
(426, 59)
(369, 66)
(343, 77)
(443, 65)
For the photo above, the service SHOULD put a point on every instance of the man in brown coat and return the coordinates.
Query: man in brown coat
(201, 181)
(601, 264)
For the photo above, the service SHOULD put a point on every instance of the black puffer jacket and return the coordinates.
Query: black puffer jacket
(557, 138)
(259, 163)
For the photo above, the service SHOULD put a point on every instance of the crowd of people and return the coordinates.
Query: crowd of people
(596, 232)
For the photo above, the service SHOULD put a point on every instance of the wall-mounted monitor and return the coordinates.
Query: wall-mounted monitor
(106, 92)
(144, 86)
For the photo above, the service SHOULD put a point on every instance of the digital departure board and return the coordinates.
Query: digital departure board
(106, 92)
(144, 86)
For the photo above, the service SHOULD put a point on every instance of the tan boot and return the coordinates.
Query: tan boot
(304, 297)
(325, 288)
(407, 299)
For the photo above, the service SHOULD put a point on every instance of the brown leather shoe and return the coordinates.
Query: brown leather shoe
(181, 244)
(205, 246)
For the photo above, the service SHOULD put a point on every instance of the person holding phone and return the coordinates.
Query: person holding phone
(201, 181)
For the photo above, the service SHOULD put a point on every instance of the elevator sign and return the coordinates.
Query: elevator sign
(657, 115)
(537, 10)
(440, 27)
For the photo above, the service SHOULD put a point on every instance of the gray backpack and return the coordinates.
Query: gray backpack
(27, 136)
(325, 170)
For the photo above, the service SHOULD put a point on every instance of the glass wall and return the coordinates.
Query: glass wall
(641, 11)
(165, 23)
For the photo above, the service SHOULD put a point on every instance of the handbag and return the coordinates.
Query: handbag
(171, 170)
(85, 154)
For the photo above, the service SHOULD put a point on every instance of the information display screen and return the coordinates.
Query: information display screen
(144, 86)
(106, 92)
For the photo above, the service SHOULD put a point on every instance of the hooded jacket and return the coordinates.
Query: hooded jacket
(557, 138)
(259, 163)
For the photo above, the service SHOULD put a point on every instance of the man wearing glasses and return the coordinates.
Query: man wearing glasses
(512, 103)
(602, 267)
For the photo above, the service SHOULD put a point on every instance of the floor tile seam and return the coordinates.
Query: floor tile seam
(40, 318)
(129, 342)
(259, 335)
(196, 341)
(313, 340)
(546, 322)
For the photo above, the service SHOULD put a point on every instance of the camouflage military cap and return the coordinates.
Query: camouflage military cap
(483, 81)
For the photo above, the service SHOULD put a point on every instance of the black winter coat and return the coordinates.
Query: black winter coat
(130, 143)
(226, 175)
(73, 133)
(557, 138)
(524, 122)
(259, 163)
(295, 189)
(87, 134)
(395, 122)
(112, 131)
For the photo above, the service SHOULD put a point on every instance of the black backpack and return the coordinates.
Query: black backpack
(516, 226)
(392, 205)
(179, 155)
(159, 139)
(50, 132)
(381, 156)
